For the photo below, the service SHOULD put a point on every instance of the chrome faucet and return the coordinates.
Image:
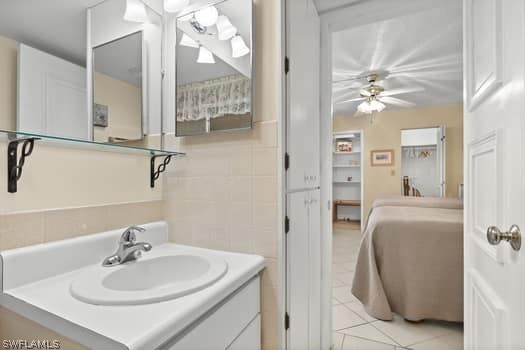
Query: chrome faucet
(128, 249)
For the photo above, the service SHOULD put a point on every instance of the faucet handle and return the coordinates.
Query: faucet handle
(129, 236)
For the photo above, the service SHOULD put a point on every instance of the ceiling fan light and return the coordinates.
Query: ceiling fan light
(187, 41)
(364, 107)
(175, 5)
(225, 28)
(207, 16)
(205, 56)
(135, 11)
(377, 106)
(239, 47)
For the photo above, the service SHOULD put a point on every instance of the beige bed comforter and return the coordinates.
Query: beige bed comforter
(410, 262)
(424, 202)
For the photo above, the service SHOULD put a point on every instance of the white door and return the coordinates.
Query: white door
(494, 173)
(303, 271)
(303, 49)
(51, 95)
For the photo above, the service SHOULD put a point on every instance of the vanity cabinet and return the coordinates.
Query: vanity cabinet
(234, 324)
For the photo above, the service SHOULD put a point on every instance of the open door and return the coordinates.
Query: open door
(494, 174)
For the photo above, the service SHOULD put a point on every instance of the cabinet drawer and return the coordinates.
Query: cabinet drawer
(222, 326)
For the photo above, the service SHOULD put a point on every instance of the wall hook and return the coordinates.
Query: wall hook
(15, 166)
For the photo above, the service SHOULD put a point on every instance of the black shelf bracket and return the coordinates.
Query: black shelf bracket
(155, 173)
(14, 165)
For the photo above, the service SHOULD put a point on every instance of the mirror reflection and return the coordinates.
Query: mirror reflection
(102, 85)
(117, 90)
(214, 68)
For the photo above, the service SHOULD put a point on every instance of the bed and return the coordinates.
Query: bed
(411, 260)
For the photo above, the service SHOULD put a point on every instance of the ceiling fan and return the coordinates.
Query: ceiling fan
(374, 97)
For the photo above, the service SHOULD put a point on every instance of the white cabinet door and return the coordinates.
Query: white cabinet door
(250, 338)
(51, 95)
(303, 271)
(302, 88)
(494, 172)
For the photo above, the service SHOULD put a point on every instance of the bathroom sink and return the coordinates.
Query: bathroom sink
(148, 280)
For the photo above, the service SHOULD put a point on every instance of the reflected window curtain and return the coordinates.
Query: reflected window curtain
(214, 98)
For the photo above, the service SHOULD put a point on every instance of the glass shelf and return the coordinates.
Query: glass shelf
(6, 136)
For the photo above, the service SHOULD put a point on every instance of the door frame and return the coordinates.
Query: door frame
(357, 14)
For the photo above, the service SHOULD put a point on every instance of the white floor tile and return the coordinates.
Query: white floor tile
(337, 340)
(343, 294)
(452, 341)
(337, 283)
(353, 343)
(342, 318)
(358, 308)
(406, 333)
(345, 277)
(367, 331)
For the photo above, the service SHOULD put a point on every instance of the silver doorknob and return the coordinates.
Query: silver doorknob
(495, 236)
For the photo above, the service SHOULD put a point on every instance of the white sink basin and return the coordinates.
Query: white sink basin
(148, 280)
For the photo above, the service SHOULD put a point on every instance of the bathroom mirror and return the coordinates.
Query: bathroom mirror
(103, 84)
(214, 77)
(117, 90)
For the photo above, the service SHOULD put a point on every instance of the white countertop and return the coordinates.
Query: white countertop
(49, 302)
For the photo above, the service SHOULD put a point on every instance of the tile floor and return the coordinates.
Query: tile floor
(354, 329)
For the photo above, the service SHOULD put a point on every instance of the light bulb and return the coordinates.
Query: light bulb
(187, 41)
(376, 105)
(175, 5)
(135, 11)
(364, 107)
(239, 47)
(207, 16)
(225, 28)
(205, 56)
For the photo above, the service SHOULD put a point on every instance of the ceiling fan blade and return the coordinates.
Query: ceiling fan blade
(396, 101)
(352, 100)
(402, 91)
(358, 77)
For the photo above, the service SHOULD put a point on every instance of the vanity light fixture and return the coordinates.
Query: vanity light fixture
(187, 41)
(135, 11)
(205, 56)
(239, 47)
(175, 5)
(225, 28)
(207, 16)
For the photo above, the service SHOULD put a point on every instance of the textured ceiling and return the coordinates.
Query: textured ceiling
(421, 50)
(333, 5)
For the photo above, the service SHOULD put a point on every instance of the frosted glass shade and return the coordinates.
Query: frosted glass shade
(225, 28)
(371, 106)
(205, 56)
(239, 47)
(175, 5)
(207, 16)
(135, 11)
(187, 41)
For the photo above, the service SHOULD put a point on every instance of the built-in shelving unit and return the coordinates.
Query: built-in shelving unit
(21, 145)
(347, 176)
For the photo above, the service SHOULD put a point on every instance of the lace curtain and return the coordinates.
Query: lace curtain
(214, 98)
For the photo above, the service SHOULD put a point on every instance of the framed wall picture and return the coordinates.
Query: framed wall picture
(384, 157)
